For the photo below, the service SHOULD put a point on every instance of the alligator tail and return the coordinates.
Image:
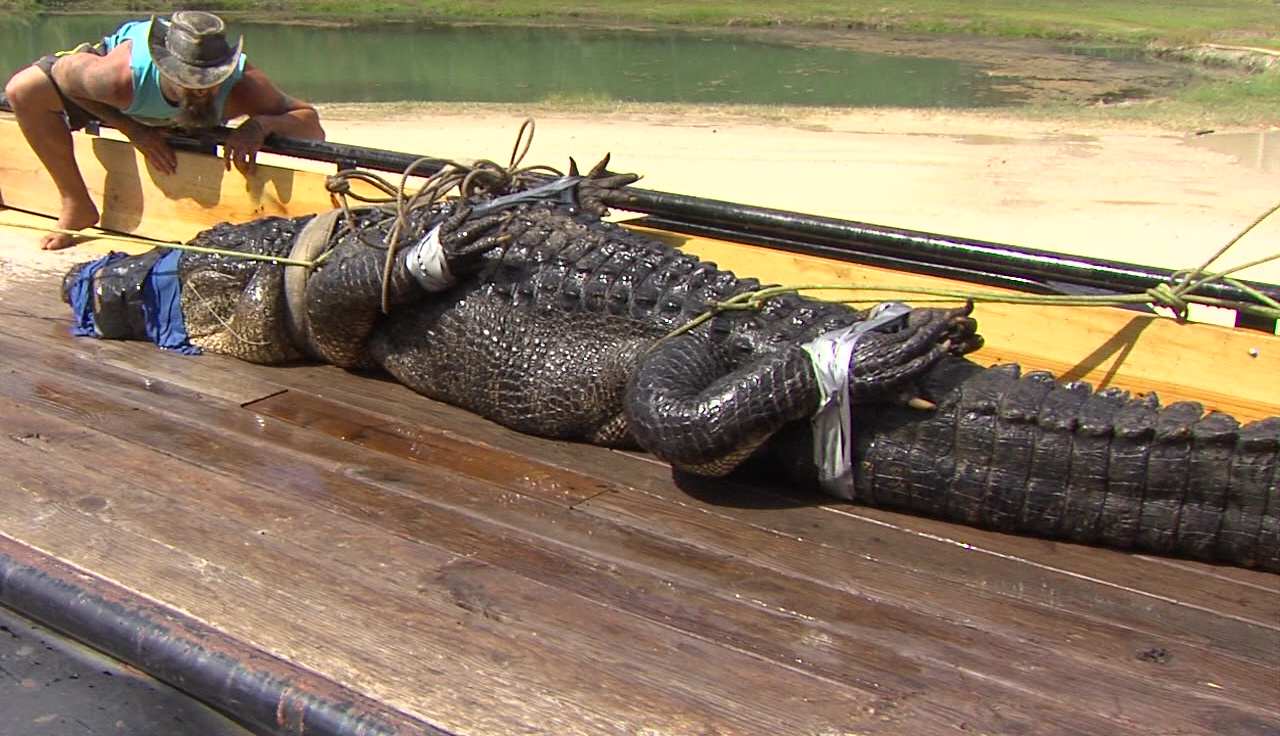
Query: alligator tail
(1025, 454)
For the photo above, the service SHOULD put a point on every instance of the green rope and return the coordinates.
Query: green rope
(1178, 296)
(1161, 295)
(173, 244)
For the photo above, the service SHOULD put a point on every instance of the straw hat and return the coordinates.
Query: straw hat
(191, 49)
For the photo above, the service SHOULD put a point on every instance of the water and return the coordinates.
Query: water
(53, 685)
(515, 64)
(1256, 149)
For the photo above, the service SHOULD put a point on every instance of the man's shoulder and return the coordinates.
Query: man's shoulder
(108, 74)
(116, 63)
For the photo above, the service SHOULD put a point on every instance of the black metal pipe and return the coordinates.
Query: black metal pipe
(344, 155)
(261, 692)
(831, 237)
(838, 238)
(1017, 283)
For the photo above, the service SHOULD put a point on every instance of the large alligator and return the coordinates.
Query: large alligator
(536, 313)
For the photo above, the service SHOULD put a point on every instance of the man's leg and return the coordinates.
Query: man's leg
(38, 109)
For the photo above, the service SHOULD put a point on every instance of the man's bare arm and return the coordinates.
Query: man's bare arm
(94, 83)
(103, 85)
(257, 97)
(270, 111)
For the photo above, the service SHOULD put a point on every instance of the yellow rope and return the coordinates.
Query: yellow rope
(1160, 295)
(1177, 297)
(171, 244)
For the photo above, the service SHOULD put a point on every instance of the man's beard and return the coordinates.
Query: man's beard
(197, 113)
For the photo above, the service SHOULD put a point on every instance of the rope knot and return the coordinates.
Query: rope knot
(1165, 295)
(338, 184)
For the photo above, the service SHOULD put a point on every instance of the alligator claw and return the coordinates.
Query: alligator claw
(916, 402)
(885, 361)
(464, 241)
(597, 184)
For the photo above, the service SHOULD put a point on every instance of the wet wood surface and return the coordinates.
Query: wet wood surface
(487, 582)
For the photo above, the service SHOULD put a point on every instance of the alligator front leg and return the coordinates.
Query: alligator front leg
(705, 403)
(345, 296)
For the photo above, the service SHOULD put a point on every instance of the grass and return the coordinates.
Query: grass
(1163, 22)
(1249, 99)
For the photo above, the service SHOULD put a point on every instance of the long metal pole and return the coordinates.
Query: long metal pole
(829, 237)
(825, 236)
(266, 694)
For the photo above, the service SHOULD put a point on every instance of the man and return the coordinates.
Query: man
(148, 75)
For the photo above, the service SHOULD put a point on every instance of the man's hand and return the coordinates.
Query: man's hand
(242, 146)
(153, 145)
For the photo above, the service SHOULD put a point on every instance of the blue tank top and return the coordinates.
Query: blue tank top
(149, 105)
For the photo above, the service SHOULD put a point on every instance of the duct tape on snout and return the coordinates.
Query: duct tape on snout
(426, 261)
(550, 190)
(833, 422)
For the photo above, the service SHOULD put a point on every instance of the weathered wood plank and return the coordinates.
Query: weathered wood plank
(465, 584)
(277, 479)
(1131, 614)
(372, 607)
(1140, 590)
(999, 652)
(1200, 583)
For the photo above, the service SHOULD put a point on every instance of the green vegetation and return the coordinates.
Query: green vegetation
(1163, 22)
(1246, 101)
(1186, 27)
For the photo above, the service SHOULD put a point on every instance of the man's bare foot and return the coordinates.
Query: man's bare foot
(75, 216)
(58, 241)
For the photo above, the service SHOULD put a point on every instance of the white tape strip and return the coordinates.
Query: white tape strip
(833, 422)
(426, 261)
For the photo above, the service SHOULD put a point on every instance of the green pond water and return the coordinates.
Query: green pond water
(516, 64)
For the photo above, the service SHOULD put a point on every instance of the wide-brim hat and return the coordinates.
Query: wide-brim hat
(191, 49)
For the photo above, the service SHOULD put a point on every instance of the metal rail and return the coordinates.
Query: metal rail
(978, 261)
(983, 261)
(265, 694)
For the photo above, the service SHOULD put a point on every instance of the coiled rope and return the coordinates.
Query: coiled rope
(468, 179)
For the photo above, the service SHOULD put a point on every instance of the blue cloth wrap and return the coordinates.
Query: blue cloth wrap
(162, 306)
(161, 303)
(80, 296)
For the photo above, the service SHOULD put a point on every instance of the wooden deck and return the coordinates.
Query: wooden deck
(477, 581)
(406, 567)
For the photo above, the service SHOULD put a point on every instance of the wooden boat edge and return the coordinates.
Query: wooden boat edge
(1105, 346)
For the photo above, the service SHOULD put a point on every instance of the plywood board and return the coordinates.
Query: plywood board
(134, 197)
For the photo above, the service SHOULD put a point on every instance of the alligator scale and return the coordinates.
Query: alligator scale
(531, 310)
